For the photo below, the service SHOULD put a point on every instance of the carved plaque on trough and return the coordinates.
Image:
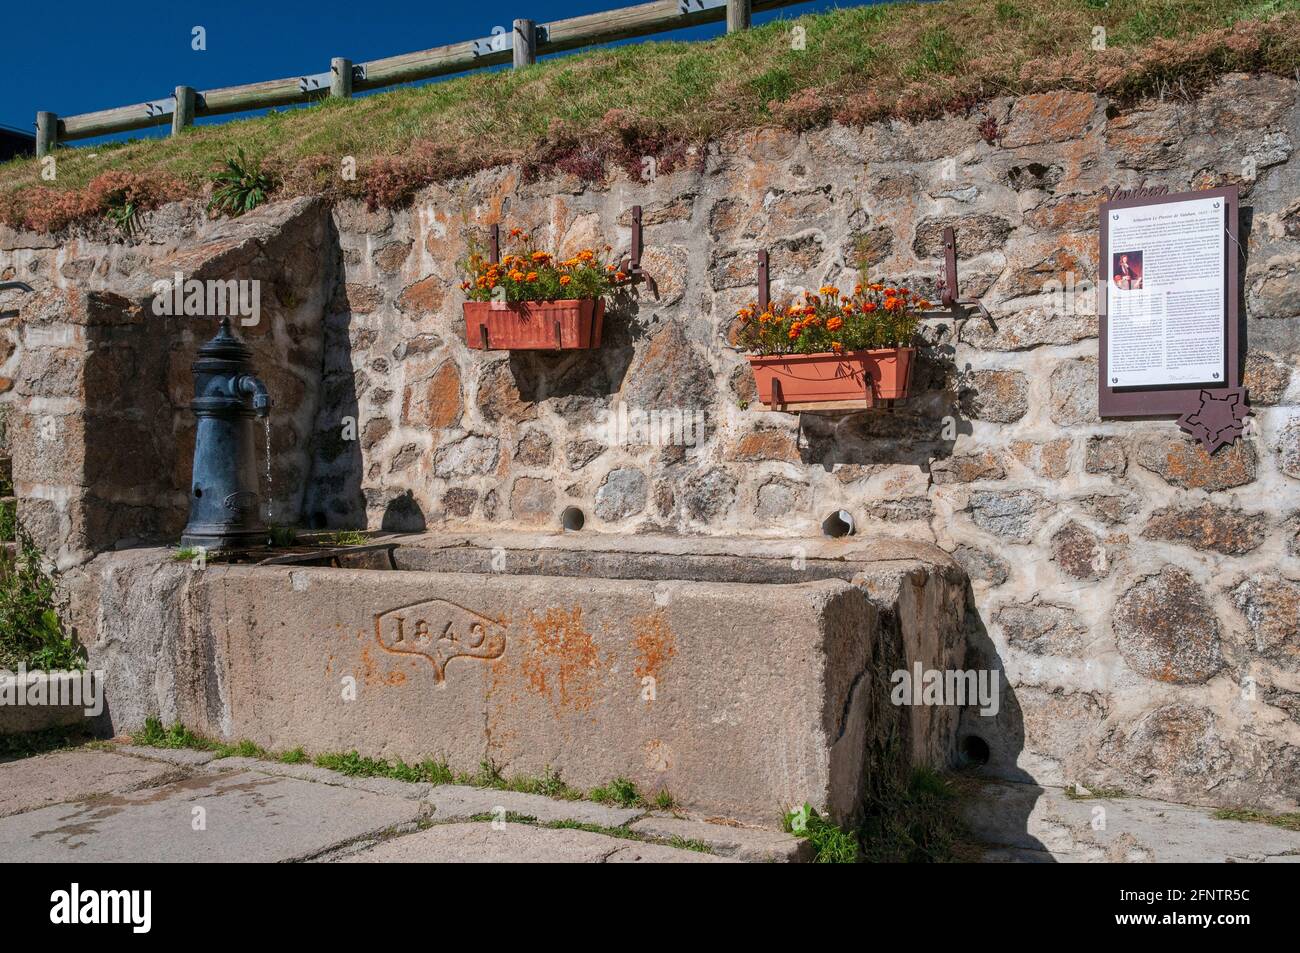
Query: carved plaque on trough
(440, 631)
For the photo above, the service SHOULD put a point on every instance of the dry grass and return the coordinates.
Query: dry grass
(860, 64)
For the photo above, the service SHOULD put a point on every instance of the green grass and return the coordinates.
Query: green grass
(860, 63)
(1288, 822)
(279, 535)
(1093, 794)
(185, 554)
(549, 783)
(831, 844)
(8, 520)
(154, 735)
(621, 833)
(620, 791)
(354, 765)
(915, 818)
(345, 537)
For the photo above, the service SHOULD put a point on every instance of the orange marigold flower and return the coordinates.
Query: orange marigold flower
(516, 276)
(620, 276)
(868, 307)
(834, 324)
(531, 276)
(565, 279)
(837, 347)
(516, 232)
(923, 304)
(794, 333)
(766, 316)
(540, 256)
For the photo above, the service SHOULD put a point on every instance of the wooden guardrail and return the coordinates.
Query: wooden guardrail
(520, 46)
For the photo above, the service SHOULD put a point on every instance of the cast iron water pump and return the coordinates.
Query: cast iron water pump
(224, 498)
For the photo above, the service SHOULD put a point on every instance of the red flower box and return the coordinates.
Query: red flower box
(565, 325)
(833, 381)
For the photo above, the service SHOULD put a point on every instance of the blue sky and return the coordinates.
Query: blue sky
(75, 56)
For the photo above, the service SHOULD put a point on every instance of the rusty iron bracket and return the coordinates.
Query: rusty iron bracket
(958, 307)
(631, 266)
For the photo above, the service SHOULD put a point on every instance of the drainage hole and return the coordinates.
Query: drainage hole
(198, 491)
(839, 523)
(572, 518)
(974, 750)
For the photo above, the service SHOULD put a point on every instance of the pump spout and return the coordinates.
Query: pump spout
(250, 385)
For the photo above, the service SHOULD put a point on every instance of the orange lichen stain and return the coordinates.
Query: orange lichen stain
(559, 659)
(655, 645)
(371, 675)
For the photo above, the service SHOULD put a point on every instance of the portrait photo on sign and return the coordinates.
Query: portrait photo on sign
(1126, 270)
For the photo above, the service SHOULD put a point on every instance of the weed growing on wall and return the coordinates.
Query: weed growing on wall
(31, 631)
(240, 186)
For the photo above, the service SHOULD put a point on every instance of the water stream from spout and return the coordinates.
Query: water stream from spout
(270, 497)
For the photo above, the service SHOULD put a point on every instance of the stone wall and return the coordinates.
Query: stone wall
(98, 414)
(1142, 598)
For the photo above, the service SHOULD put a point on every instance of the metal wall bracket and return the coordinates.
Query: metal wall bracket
(695, 6)
(631, 266)
(158, 108)
(315, 82)
(958, 306)
(496, 43)
(764, 282)
(358, 72)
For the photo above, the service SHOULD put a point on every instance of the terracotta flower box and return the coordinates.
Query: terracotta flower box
(568, 324)
(832, 381)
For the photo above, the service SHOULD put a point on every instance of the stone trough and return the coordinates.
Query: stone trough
(742, 676)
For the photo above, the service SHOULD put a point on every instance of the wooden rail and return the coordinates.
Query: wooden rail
(521, 47)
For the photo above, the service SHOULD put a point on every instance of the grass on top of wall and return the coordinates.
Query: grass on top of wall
(614, 105)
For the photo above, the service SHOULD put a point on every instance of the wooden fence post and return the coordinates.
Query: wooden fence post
(47, 133)
(340, 78)
(738, 12)
(183, 114)
(525, 41)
